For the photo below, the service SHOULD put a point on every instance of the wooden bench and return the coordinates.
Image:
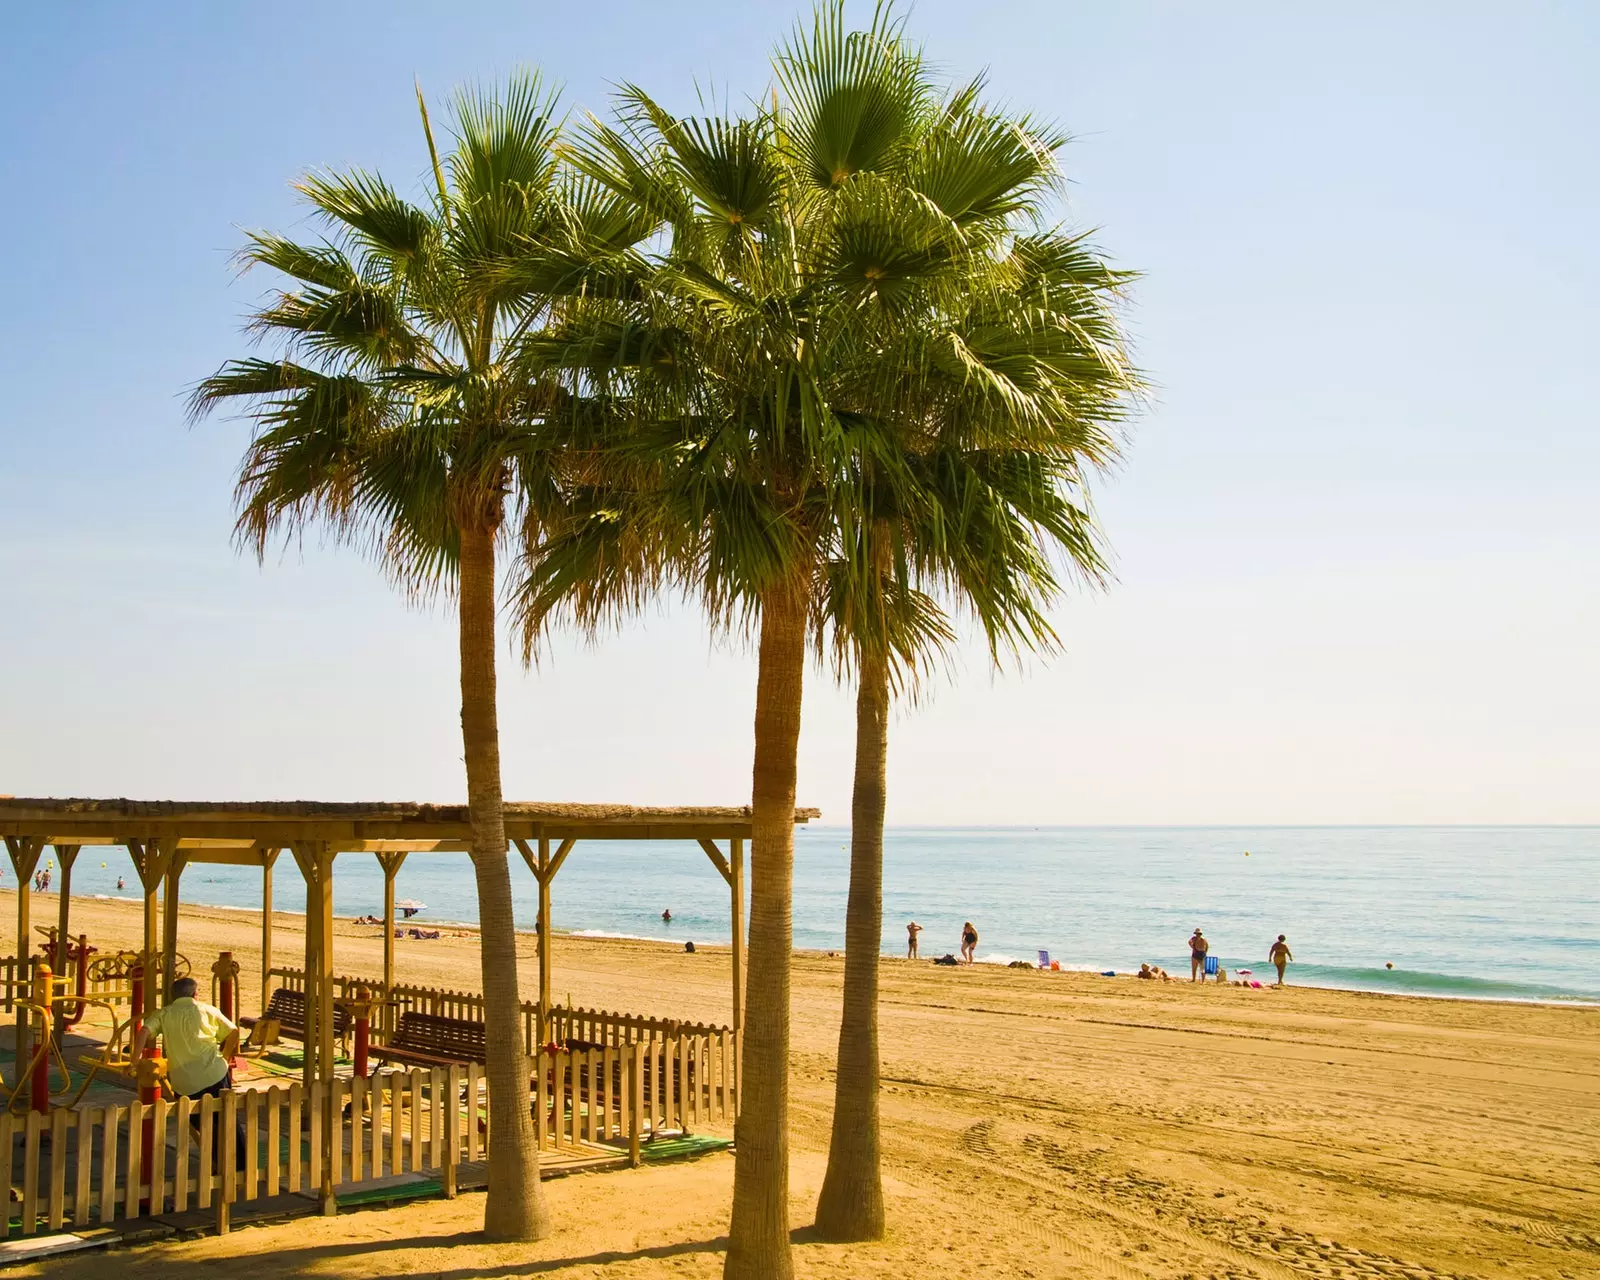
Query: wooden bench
(288, 1009)
(430, 1040)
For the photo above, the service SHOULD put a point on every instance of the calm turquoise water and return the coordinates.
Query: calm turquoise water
(1488, 912)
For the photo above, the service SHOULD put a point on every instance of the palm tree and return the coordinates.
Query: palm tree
(778, 350)
(405, 412)
(999, 482)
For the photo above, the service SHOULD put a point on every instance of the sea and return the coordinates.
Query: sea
(1493, 913)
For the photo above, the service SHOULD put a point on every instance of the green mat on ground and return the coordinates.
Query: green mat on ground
(683, 1148)
(398, 1191)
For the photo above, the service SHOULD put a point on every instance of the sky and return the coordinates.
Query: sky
(1356, 532)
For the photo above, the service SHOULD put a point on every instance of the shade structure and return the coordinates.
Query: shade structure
(163, 837)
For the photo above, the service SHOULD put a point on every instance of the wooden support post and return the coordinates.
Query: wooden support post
(151, 859)
(266, 928)
(391, 863)
(24, 852)
(736, 885)
(169, 927)
(544, 943)
(68, 853)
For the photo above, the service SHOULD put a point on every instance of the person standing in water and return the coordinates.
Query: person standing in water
(912, 930)
(666, 916)
(1280, 955)
(1198, 948)
(969, 943)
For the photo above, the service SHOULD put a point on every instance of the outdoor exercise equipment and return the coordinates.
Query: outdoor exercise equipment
(225, 988)
(361, 1003)
(76, 960)
(130, 966)
(43, 1001)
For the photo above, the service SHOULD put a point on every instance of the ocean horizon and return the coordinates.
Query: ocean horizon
(1478, 912)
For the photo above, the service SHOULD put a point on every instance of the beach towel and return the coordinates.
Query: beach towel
(1211, 965)
(947, 960)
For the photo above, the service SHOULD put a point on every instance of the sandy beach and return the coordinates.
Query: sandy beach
(1036, 1125)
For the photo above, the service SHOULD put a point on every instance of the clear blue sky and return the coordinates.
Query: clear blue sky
(1357, 532)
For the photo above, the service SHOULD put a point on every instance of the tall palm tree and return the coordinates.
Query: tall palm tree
(404, 411)
(778, 350)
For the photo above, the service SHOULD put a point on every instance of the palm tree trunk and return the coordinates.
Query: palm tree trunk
(758, 1240)
(851, 1204)
(515, 1208)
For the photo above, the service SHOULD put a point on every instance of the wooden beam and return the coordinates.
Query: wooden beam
(225, 857)
(561, 856)
(717, 860)
(528, 856)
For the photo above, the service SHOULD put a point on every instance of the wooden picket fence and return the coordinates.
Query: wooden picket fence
(94, 1167)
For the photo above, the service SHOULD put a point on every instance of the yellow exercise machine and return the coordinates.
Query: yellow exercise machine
(47, 995)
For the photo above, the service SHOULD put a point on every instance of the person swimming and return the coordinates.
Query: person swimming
(666, 916)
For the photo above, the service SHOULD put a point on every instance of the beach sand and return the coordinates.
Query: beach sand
(1035, 1125)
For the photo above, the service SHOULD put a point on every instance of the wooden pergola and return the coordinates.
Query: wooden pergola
(164, 837)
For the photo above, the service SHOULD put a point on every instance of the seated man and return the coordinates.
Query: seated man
(200, 1043)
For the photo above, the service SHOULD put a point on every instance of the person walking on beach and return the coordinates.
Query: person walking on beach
(1280, 955)
(912, 930)
(969, 943)
(1198, 947)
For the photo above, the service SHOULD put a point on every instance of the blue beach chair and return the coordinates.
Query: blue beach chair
(1211, 966)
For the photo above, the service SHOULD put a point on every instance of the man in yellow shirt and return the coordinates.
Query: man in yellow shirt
(199, 1041)
(200, 1044)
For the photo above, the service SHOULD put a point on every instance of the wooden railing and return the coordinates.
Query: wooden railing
(590, 1026)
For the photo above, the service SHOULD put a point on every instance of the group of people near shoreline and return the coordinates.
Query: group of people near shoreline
(1199, 953)
(969, 942)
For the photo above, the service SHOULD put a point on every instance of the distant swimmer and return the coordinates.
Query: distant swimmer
(120, 885)
(1198, 947)
(969, 943)
(666, 916)
(912, 930)
(1280, 956)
